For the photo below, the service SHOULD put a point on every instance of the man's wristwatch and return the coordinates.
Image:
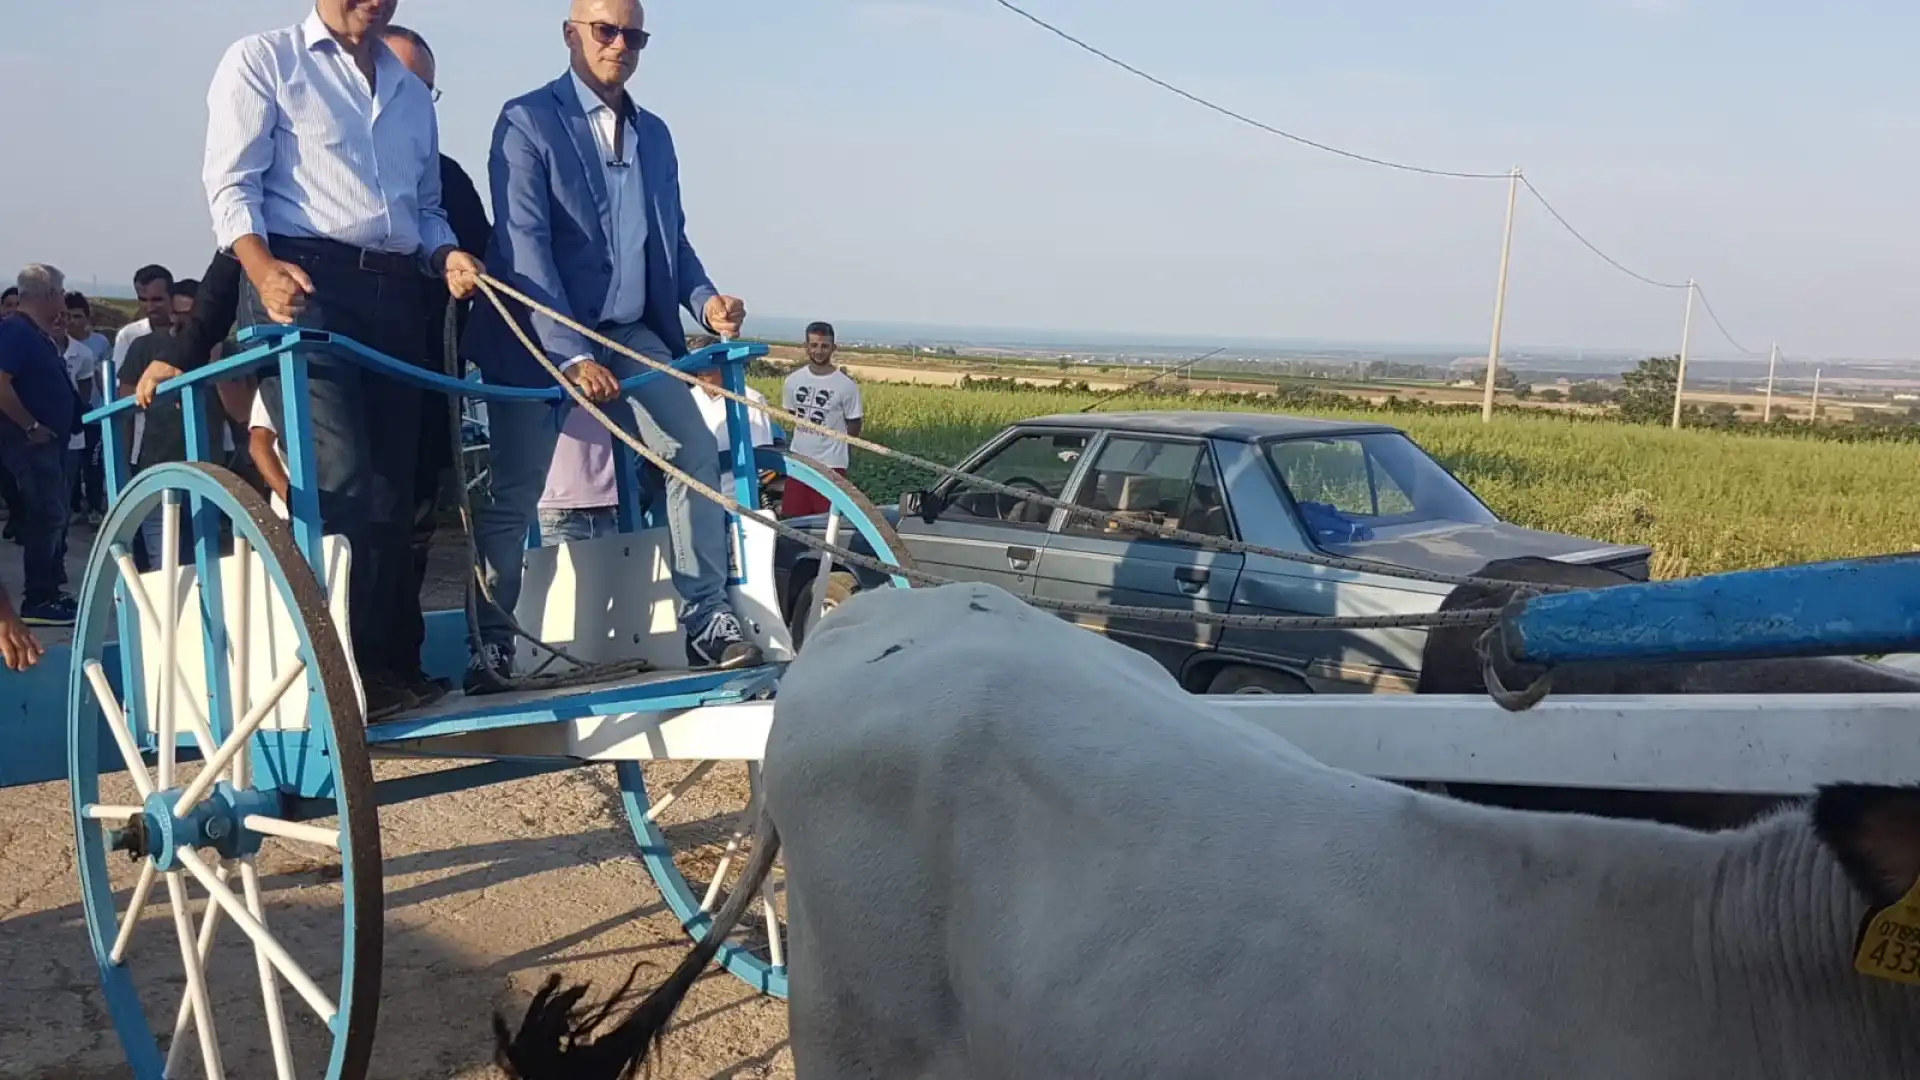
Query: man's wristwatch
(35, 426)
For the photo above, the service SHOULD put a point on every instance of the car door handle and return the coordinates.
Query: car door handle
(1191, 579)
(1020, 558)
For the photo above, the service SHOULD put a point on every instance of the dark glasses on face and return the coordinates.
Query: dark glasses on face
(606, 34)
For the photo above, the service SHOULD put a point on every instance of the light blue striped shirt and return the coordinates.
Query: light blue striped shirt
(299, 145)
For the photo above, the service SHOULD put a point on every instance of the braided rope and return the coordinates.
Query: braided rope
(1420, 620)
(1165, 532)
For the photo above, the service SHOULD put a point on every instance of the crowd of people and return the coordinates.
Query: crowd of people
(334, 209)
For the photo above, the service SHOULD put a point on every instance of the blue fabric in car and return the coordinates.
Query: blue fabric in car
(1329, 525)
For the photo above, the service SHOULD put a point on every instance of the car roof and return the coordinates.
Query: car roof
(1232, 426)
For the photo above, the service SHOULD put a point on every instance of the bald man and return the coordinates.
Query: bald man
(587, 192)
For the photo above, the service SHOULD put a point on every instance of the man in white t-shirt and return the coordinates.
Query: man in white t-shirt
(90, 494)
(825, 395)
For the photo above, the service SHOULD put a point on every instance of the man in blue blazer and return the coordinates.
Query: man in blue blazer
(586, 202)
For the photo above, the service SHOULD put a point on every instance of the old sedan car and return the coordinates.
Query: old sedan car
(1358, 490)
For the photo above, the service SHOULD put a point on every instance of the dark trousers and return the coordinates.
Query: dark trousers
(90, 489)
(430, 468)
(365, 431)
(39, 474)
(10, 498)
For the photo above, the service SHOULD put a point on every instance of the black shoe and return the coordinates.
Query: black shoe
(62, 610)
(488, 670)
(387, 696)
(721, 644)
(427, 690)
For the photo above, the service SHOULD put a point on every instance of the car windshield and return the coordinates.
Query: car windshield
(1348, 488)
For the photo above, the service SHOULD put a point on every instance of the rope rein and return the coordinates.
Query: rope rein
(493, 290)
(490, 284)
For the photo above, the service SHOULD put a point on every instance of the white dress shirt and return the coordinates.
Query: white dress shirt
(627, 204)
(299, 145)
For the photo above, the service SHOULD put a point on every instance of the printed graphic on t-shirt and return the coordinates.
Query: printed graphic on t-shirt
(813, 402)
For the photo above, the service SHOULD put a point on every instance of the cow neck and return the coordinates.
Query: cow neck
(1777, 931)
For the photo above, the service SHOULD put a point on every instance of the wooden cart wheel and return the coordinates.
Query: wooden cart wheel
(246, 804)
(696, 836)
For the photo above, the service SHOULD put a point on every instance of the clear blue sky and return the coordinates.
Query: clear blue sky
(943, 161)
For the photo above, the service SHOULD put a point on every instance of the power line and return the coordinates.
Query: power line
(1231, 114)
(1370, 160)
(1711, 314)
(1590, 246)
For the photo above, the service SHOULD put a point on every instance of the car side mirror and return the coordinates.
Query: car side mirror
(924, 505)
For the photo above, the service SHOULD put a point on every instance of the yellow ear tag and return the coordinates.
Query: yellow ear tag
(1890, 943)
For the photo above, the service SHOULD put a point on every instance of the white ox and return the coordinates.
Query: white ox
(1016, 850)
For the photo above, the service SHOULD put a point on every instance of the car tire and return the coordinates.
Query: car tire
(840, 586)
(1238, 679)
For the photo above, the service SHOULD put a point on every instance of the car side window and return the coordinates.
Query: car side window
(1042, 462)
(1339, 474)
(1157, 481)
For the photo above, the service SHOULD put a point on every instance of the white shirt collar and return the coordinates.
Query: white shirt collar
(590, 102)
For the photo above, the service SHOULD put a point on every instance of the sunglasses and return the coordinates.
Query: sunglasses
(632, 37)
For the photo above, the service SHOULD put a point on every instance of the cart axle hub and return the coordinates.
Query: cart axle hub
(160, 834)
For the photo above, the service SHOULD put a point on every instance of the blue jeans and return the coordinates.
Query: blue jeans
(521, 437)
(40, 472)
(566, 526)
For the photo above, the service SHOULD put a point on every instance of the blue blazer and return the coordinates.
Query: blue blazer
(552, 221)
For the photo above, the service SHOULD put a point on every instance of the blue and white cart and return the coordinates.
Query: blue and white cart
(214, 713)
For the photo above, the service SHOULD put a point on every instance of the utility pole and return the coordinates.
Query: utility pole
(1686, 342)
(1500, 296)
(1773, 361)
(1816, 395)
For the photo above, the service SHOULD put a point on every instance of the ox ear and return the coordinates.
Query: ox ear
(1875, 832)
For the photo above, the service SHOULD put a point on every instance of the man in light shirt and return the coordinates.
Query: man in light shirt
(713, 408)
(822, 394)
(90, 494)
(585, 183)
(323, 177)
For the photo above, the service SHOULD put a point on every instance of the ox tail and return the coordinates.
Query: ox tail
(555, 1038)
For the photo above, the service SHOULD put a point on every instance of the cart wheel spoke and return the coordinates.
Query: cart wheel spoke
(196, 991)
(116, 724)
(209, 922)
(269, 983)
(141, 891)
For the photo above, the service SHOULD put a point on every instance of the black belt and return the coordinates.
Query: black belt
(373, 262)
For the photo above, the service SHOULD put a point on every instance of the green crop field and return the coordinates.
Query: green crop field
(1707, 501)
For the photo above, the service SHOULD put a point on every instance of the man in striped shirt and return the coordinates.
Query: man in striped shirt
(323, 176)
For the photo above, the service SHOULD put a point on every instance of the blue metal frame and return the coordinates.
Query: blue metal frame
(1856, 607)
(290, 348)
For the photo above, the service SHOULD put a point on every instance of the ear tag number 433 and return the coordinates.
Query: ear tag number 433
(1890, 944)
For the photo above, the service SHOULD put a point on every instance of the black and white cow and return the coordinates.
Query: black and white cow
(1015, 851)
